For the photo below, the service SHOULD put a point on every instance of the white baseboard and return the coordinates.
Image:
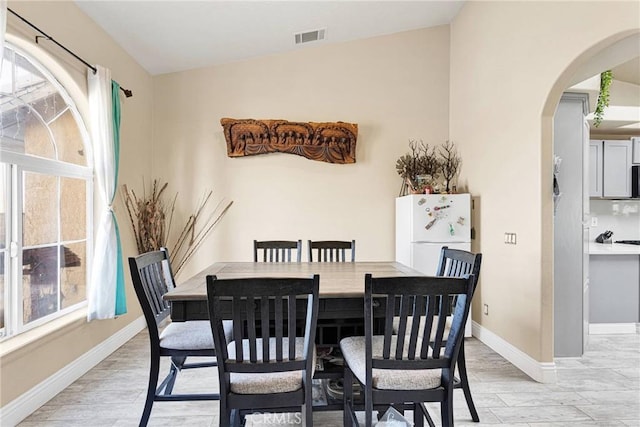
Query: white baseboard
(543, 372)
(612, 328)
(20, 408)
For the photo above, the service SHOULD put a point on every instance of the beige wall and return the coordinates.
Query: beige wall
(394, 87)
(29, 365)
(510, 61)
(507, 61)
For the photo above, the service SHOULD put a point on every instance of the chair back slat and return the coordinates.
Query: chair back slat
(331, 250)
(418, 306)
(238, 327)
(444, 302)
(155, 287)
(405, 306)
(251, 328)
(413, 299)
(279, 308)
(268, 304)
(388, 327)
(428, 324)
(277, 251)
(291, 330)
(264, 327)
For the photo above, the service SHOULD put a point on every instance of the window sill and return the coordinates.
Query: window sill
(49, 330)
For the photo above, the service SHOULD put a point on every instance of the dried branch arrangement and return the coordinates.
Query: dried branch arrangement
(151, 219)
(424, 168)
(449, 164)
(419, 168)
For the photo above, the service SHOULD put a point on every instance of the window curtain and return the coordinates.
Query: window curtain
(106, 291)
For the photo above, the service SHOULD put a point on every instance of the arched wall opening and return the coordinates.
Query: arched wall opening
(602, 56)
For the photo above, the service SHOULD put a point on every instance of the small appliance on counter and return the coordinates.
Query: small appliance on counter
(628, 242)
(604, 237)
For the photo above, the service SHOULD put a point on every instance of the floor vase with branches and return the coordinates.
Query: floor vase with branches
(151, 218)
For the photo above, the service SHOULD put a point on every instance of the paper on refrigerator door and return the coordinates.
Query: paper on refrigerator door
(441, 218)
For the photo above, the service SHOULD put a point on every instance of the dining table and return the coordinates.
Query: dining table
(341, 303)
(340, 314)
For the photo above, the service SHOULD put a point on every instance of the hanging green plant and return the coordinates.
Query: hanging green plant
(603, 97)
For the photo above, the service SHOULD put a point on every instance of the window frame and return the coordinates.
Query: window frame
(15, 165)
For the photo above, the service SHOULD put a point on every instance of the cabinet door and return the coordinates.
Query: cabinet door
(595, 168)
(635, 142)
(617, 169)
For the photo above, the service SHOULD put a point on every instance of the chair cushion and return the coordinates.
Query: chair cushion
(191, 335)
(272, 382)
(353, 350)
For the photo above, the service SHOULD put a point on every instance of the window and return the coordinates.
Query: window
(45, 197)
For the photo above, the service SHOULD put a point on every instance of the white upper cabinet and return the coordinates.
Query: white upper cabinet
(635, 142)
(595, 168)
(610, 168)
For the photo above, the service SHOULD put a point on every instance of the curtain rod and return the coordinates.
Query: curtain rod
(128, 93)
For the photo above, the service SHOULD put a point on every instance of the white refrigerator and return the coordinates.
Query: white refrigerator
(427, 222)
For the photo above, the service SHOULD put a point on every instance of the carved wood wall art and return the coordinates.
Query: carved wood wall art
(333, 142)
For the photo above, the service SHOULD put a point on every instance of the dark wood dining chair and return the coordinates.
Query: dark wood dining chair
(277, 251)
(270, 362)
(332, 250)
(152, 278)
(407, 368)
(459, 263)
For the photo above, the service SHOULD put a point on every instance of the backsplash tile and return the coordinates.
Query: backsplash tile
(620, 216)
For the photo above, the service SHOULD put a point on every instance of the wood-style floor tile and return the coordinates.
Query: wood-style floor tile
(600, 389)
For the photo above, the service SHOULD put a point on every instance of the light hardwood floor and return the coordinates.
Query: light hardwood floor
(600, 389)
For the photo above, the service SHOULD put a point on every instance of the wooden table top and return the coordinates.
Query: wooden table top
(337, 279)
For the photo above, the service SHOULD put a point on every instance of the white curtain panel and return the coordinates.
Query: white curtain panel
(102, 287)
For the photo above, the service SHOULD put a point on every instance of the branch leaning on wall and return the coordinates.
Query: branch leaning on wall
(151, 219)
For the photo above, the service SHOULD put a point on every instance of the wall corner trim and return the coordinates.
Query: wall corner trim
(20, 408)
(542, 372)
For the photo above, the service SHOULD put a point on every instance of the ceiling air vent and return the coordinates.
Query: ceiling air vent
(310, 36)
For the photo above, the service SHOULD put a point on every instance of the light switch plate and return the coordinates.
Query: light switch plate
(510, 238)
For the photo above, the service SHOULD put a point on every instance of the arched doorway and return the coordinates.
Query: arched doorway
(605, 55)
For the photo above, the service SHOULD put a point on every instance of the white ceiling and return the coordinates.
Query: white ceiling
(628, 72)
(169, 36)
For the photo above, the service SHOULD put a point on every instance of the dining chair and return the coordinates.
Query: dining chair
(459, 263)
(408, 368)
(332, 250)
(277, 250)
(270, 362)
(152, 278)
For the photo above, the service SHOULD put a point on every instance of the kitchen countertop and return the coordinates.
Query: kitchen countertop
(613, 249)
